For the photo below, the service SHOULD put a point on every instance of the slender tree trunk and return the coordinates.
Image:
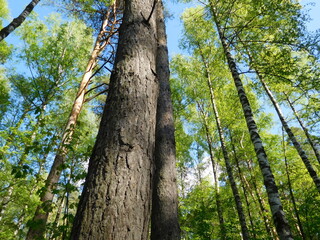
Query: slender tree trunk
(16, 22)
(6, 200)
(279, 218)
(242, 220)
(41, 215)
(314, 148)
(164, 217)
(216, 187)
(58, 215)
(249, 212)
(264, 212)
(292, 137)
(301, 231)
(238, 202)
(215, 176)
(241, 177)
(116, 199)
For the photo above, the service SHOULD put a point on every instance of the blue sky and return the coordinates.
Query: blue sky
(174, 26)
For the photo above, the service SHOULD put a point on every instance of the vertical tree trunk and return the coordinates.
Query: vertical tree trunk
(314, 148)
(58, 215)
(301, 231)
(42, 212)
(292, 137)
(238, 202)
(216, 187)
(116, 199)
(16, 22)
(215, 175)
(241, 177)
(278, 214)
(164, 217)
(242, 220)
(259, 198)
(263, 211)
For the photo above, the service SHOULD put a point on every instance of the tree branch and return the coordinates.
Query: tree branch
(16, 22)
(96, 95)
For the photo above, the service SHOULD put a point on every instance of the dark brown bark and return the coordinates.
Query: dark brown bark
(42, 211)
(116, 199)
(16, 22)
(164, 217)
(278, 214)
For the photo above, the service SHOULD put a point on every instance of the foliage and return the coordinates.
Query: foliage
(38, 104)
(255, 35)
(38, 84)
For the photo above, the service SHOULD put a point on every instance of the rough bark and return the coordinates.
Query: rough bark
(116, 199)
(42, 211)
(292, 137)
(164, 217)
(16, 22)
(278, 214)
(312, 144)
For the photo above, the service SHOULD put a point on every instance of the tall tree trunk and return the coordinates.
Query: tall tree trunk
(241, 177)
(264, 212)
(314, 148)
(116, 199)
(16, 22)
(292, 137)
(215, 176)
(216, 187)
(58, 215)
(242, 219)
(249, 211)
(301, 231)
(278, 214)
(164, 217)
(238, 202)
(41, 215)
